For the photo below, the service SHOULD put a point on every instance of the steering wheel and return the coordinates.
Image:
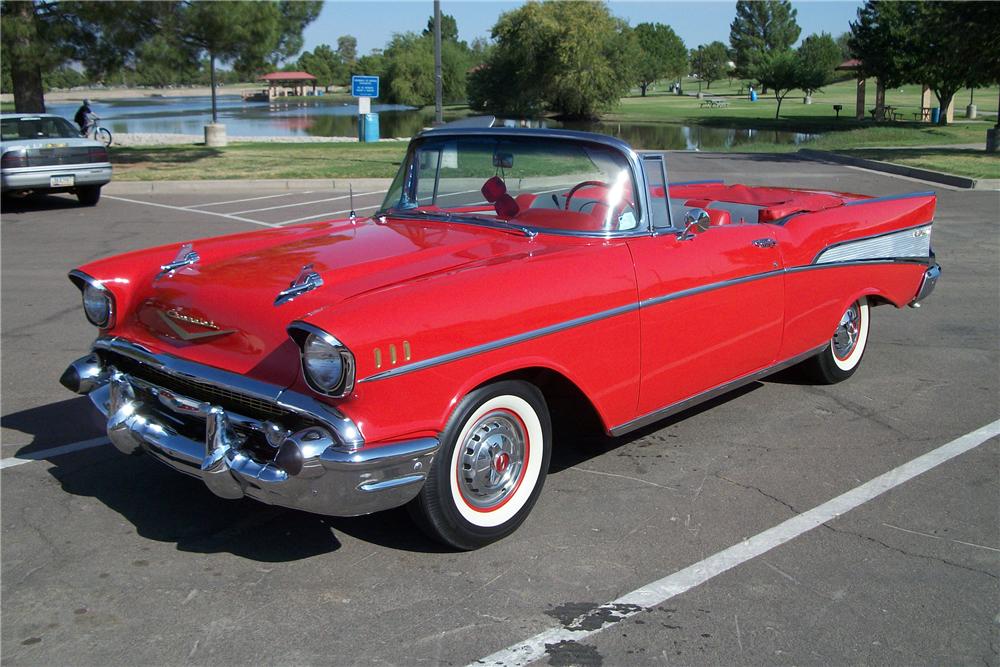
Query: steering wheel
(616, 213)
(572, 191)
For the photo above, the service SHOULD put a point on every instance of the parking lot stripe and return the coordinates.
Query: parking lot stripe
(43, 454)
(192, 210)
(306, 203)
(328, 214)
(237, 201)
(659, 591)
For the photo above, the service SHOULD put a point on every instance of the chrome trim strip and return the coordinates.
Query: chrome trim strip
(657, 300)
(912, 243)
(708, 395)
(503, 342)
(879, 200)
(654, 301)
(704, 182)
(347, 431)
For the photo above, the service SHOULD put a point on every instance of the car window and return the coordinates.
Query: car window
(533, 182)
(659, 208)
(36, 127)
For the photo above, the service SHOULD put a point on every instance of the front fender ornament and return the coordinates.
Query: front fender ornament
(307, 281)
(186, 256)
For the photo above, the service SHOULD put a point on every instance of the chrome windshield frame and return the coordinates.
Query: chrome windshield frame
(644, 226)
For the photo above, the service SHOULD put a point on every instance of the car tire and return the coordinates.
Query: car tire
(490, 468)
(89, 195)
(842, 355)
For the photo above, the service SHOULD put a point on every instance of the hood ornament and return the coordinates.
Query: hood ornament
(186, 256)
(307, 281)
(174, 315)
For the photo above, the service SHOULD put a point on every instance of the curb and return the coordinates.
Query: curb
(902, 170)
(280, 185)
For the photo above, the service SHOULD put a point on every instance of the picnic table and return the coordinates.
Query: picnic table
(924, 114)
(714, 102)
(888, 112)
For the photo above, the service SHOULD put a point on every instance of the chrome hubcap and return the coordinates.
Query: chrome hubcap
(845, 339)
(491, 459)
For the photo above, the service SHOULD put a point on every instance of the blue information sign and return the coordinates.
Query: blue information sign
(364, 86)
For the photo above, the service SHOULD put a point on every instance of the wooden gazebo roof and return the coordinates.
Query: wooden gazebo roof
(282, 77)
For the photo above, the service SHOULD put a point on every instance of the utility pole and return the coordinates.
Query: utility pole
(438, 113)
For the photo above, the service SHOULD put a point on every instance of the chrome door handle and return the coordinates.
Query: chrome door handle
(764, 243)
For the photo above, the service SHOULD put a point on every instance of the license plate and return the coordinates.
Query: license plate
(61, 181)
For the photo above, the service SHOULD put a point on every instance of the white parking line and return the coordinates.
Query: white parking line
(328, 214)
(673, 585)
(191, 210)
(237, 201)
(54, 451)
(306, 203)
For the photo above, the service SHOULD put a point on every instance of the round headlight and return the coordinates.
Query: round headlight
(97, 305)
(323, 363)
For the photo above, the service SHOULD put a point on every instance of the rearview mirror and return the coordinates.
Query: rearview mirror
(503, 160)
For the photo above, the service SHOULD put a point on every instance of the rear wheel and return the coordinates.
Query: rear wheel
(490, 469)
(89, 195)
(841, 358)
(103, 135)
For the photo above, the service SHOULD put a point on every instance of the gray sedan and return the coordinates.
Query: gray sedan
(45, 153)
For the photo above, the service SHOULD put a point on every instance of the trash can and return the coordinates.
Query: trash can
(935, 115)
(368, 127)
(753, 95)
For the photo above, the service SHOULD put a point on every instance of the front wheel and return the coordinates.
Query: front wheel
(490, 468)
(841, 358)
(103, 135)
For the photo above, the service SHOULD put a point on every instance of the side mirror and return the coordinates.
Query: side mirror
(696, 221)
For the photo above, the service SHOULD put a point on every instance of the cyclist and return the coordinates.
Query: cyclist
(85, 118)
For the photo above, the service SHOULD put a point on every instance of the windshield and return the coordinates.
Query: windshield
(528, 182)
(36, 127)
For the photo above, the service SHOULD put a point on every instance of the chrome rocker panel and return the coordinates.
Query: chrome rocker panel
(312, 470)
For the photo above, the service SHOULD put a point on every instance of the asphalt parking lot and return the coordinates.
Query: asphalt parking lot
(108, 559)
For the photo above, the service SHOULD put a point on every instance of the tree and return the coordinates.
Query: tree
(325, 65)
(710, 62)
(662, 54)
(818, 55)
(347, 49)
(449, 28)
(779, 71)
(408, 68)
(844, 44)
(761, 27)
(929, 43)
(572, 58)
(41, 35)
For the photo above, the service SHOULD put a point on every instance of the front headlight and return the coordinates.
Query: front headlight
(327, 365)
(97, 305)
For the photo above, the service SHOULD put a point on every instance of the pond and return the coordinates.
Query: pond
(337, 118)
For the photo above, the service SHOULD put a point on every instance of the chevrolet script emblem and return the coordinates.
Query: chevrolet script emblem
(173, 316)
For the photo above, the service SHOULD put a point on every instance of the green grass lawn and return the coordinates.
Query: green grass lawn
(258, 160)
(971, 163)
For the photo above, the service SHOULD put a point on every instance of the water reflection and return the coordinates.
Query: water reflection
(334, 117)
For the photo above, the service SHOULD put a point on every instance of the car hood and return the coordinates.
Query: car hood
(222, 311)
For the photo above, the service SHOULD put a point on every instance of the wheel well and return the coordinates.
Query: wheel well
(570, 409)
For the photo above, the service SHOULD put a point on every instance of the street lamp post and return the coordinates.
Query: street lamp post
(438, 113)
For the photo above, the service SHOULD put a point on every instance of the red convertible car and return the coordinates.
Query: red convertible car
(413, 357)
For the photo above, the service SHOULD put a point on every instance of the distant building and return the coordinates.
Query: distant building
(282, 84)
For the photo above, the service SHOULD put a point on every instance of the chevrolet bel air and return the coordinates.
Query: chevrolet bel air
(416, 357)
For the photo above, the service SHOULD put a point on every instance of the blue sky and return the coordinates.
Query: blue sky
(374, 22)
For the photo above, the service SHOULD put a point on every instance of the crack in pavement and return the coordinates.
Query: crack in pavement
(760, 491)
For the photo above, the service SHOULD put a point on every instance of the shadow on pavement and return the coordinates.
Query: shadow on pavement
(37, 202)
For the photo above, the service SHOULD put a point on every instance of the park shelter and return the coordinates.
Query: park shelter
(282, 84)
(854, 65)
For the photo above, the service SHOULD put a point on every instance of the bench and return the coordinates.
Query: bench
(714, 103)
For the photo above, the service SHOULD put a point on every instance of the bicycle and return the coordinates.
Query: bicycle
(98, 133)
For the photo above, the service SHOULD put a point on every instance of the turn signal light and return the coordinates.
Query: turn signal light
(97, 154)
(13, 159)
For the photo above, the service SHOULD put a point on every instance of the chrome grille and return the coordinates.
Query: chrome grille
(203, 391)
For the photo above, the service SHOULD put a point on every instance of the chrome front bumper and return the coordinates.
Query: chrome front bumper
(927, 285)
(312, 469)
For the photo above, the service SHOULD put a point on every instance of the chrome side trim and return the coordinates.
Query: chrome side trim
(909, 242)
(879, 200)
(708, 395)
(654, 301)
(347, 431)
(503, 342)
